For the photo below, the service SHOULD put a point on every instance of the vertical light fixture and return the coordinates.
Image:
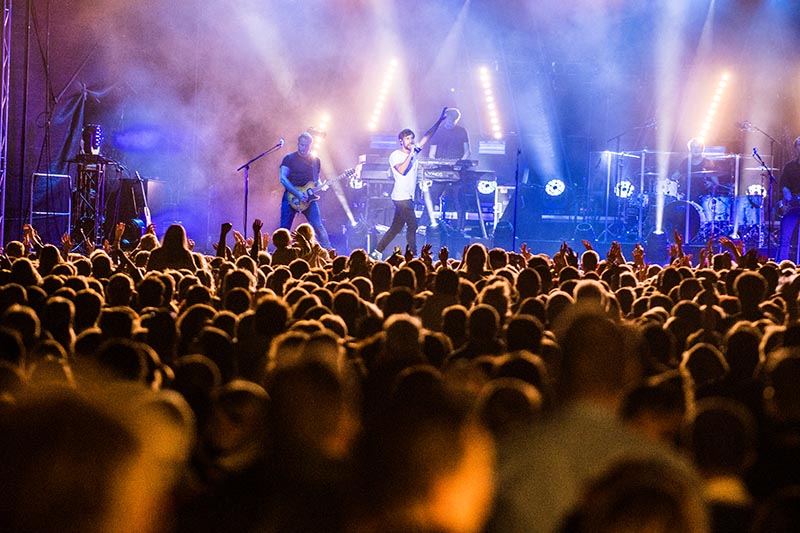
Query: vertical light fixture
(712, 108)
(490, 101)
(383, 94)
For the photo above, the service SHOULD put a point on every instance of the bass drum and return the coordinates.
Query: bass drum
(675, 219)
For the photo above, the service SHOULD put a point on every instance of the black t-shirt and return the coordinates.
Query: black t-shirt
(701, 185)
(790, 177)
(450, 143)
(301, 169)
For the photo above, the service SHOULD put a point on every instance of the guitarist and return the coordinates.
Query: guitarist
(790, 180)
(299, 170)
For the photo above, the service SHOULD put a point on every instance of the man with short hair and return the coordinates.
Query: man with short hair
(404, 166)
(299, 175)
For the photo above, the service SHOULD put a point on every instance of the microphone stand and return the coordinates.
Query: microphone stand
(517, 192)
(772, 181)
(246, 168)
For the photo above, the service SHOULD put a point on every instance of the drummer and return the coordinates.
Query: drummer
(705, 176)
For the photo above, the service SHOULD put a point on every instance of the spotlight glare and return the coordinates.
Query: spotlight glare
(555, 187)
(498, 135)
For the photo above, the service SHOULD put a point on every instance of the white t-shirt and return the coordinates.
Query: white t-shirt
(403, 185)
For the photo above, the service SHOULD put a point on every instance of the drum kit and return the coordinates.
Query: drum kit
(718, 212)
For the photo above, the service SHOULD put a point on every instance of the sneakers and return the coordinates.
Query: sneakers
(376, 255)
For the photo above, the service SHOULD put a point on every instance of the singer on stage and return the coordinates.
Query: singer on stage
(404, 166)
(299, 175)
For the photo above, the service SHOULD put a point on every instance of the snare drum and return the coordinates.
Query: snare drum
(716, 208)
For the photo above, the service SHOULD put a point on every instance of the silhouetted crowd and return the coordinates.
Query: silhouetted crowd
(277, 386)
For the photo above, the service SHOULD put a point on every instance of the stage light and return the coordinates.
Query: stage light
(386, 84)
(555, 187)
(92, 138)
(624, 189)
(714, 105)
(487, 187)
(490, 101)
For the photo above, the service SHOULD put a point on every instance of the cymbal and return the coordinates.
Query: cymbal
(720, 172)
(760, 168)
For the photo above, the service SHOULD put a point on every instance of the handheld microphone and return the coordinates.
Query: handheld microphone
(417, 149)
(280, 142)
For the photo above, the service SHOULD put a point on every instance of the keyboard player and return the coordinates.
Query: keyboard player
(451, 142)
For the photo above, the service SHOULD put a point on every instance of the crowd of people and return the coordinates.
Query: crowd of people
(278, 386)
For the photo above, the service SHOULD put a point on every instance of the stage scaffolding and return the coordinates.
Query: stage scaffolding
(5, 90)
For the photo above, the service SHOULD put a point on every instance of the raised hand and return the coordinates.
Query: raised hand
(225, 228)
(409, 255)
(525, 251)
(151, 229)
(586, 244)
(444, 255)
(257, 225)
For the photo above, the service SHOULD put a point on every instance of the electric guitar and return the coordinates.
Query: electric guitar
(310, 190)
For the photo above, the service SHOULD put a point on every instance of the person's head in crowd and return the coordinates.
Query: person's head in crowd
(454, 324)
(238, 278)
(358, 263)
(428, 469)
(298, 268)
(599, 358)
(196, 377)
(400, 300)
(24, 273)
(102, 267)
(721, 438)
(403, 336)
(508, 405)
(497, 295)
(590, 292)
(49, 257)
(278, 279)
(11, 294)
(162, 333)
(405, 277)
(751, 288)
(639, 495)
(313, 416)
(742, 343)
(475, 260)
(237, 300)
(498, 258)
(528, 283)
(704, 363)
(151, 292)
(88, 305)
(557, 302)
(281, 238)
(589, 261)
(305, 303)
(51, 284)
(530, 368)
(14, 250)
(533, 307)
(347, 305)
(175, 238)
(12, 347)
(271, 316)
(25, 322)
(191, 322)
(781, 393)
(436, 346)
(118, 322)
(483, 323)
(76, 465)
(660, 300)
(524, 332)
(656, 407)
(237, 433)
(364, 287)
(57, 317)
(420, 273)
(381, 276)
(119, 290)
(466, 293)
(217, 346)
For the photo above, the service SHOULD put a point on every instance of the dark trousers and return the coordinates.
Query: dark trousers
(313, 216)
(403, 216)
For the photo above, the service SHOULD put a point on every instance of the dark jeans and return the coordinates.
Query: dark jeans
(312, 215)
(454, 197)
(403, 216)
